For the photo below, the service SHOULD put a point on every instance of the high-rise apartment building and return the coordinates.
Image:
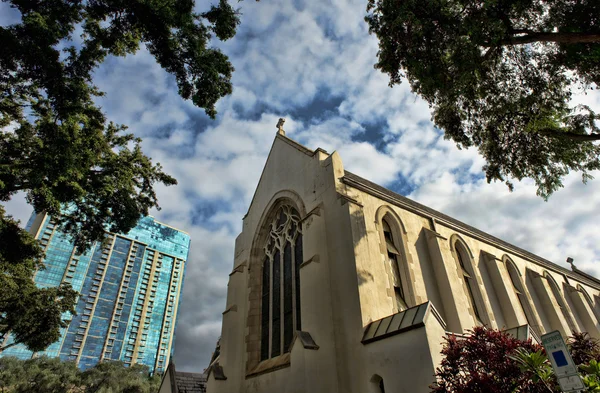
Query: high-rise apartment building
(129, 293)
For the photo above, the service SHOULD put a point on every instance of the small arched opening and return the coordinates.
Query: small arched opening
(377, 385)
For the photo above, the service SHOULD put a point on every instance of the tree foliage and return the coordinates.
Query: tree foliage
(50, 375)
(114, 377)
(583, 348)
(47, 375)
(482, 362)
(591, 378)
(499, 75)
(493, 361)
(58, 147)
(55, 143)
(33, 315)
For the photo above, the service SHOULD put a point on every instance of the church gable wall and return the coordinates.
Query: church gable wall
(305, 180)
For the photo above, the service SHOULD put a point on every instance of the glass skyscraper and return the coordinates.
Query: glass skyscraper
(129, 289)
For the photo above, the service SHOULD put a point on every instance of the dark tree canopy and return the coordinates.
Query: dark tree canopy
(58, 147)
(55, 142)
(33, 315)
(499, 75)
(51, 375)
(40, 375)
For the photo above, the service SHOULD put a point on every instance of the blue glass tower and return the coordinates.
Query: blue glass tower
(129, 289)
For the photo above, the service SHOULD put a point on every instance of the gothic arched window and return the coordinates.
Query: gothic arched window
(468, 277)
(588, 299)
(561, 302)
(280, 308)
(393, 259)
(517, 284)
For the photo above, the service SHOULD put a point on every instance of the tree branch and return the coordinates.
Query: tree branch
(569, 135)
(561, 38)
(522, 31)
(17, 187)
(2, 349)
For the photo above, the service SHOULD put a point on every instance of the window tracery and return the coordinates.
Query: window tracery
(280, 308)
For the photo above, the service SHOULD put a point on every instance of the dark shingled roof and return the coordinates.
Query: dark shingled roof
(190, 382)
(402, 321)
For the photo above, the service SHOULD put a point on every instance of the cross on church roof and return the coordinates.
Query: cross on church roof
(280, 126)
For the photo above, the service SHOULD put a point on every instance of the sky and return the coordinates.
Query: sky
(311, 62)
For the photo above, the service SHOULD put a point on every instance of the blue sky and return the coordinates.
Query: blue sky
(312, 63)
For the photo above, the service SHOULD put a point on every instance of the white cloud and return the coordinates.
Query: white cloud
(363, 159)
(561, 227)
(286, 56)
(8, 15)
(18, 208)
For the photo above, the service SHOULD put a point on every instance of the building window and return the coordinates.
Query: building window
(467, 276)
(588, 299)
(280, 308)
(561, 302)
(393, 259)
(517, 284)
(377, 385)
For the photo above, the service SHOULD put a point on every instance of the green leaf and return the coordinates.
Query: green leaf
(499, 76)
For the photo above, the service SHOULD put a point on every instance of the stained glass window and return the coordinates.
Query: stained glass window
(264, 345)
(288, 317)
(276, 306)
(297, 263)
(280, 309)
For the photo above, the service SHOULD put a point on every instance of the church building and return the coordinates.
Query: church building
(341, 286)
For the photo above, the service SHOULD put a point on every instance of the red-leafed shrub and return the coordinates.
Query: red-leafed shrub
(484, 362)
(583, 348)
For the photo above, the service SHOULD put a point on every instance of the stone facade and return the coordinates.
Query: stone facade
(382, 280)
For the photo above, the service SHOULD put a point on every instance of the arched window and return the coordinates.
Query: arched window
(561, 302)
(588, 299)
(517, 284)
(467, 276)
(393, 255)
(377, 385)
(280, 308)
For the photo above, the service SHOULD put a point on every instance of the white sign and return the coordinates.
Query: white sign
(559, 355)
(571, 383)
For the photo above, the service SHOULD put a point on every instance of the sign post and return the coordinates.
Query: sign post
(562, 363)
